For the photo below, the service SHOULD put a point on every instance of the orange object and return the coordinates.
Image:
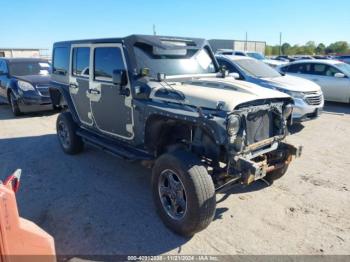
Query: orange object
(20, 239)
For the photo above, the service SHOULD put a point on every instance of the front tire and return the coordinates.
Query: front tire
(14, 105)
(66, 128)
(183, 192)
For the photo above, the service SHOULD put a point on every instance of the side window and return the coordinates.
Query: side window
(240, 54)
(319, 69)
(284, 69)
(331, 71)
(106, 60)
(3, 67)
(295, 68)
(60, 62)
(81, 61)
(299, 68)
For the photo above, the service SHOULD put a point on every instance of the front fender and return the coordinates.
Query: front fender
(214, 125)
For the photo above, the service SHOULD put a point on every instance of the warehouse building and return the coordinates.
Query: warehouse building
(238, 45)
(24, 52)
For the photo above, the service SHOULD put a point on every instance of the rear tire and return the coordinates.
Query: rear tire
(66, 128)
(14, 105)
(195, 203)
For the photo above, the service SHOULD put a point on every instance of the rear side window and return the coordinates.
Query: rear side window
(107, 59)
(81, 61)
(296, 68)
(319, 69)
(60, 61)
(299, 68)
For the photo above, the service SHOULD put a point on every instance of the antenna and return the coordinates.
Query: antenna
(154, 29)
(280, 43)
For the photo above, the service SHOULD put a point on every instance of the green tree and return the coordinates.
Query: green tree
(320, 49)
(285, 48)
(268, 50)
(310, 48)
(339, 47)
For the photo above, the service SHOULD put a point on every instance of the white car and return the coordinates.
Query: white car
(255, 55)
(307, 96)
(333, 76)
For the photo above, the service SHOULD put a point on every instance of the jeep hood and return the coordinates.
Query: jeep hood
(207, 92)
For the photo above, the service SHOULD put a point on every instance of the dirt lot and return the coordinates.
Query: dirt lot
(93, 203)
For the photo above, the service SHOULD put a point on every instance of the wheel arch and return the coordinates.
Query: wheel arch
(163, 131)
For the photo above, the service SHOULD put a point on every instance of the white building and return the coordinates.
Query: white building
(24, 52)
(238, 45)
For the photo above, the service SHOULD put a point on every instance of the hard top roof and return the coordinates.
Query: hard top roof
(132, 39)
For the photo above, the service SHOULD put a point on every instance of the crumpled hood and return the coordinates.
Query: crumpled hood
(35, 79)
(292, 83)
(207, 92)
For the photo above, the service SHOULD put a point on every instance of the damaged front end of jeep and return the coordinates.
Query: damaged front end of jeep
(256, 144)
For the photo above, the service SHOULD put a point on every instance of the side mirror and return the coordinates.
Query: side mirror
(235, 75)
(223, 71)
(339, 75)
(119, 77)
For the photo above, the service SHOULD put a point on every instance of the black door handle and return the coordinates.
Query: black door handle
(73, 85)
(94, 91)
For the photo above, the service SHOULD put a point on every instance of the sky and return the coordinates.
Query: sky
(40, 23)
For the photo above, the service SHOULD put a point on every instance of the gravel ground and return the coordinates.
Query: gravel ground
(93, 203)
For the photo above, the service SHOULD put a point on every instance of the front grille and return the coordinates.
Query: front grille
(259, 126)
(43, 90)
(313, 98)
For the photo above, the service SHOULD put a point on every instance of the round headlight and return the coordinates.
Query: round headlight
(25, 86)
(288, 110)
(233, 124)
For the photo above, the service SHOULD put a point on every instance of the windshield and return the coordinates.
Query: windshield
(257, 68)
(174, 61)
(344, 67)
(256, 55)
(24, 68)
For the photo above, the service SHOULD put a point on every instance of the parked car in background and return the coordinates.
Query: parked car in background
(344, 58)
(230, 52)
(307, 96)
(164, 101)
(261, 57)
(24, 84)
(255, 55)
(331, 75)
(284, 58)
(303, 57)
(322, 57)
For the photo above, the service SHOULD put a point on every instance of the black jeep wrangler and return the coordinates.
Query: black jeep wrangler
(165, 101)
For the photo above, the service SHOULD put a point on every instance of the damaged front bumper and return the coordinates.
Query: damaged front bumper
(246, 170)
